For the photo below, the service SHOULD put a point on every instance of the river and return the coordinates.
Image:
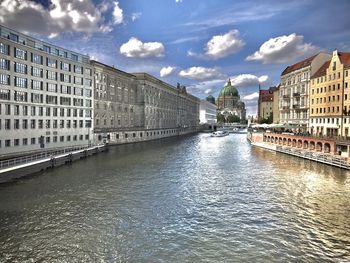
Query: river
(189, 199)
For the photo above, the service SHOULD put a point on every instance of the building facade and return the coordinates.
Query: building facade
(229, 102)
(275, 105)
(207, 112)
(330, 97)
(265, 105)
(46, 95)
(294, 91)
(139, 107)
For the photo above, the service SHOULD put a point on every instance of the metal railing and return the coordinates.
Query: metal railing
(39, 156)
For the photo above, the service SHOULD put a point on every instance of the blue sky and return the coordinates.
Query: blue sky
(199, 44)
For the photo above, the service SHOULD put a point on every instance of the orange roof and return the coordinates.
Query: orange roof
(344, 58)
(322, 71)
(299, 65)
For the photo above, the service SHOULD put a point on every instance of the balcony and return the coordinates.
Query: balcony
(285, 107)
(296, 94)
(296, 106)
(286, 96)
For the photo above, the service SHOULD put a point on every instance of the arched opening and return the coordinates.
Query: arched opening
(289, 142)
(327, 147)
(284, 141)
(306, 144)
(312, 145)
(280, 140)
(319, 147)
(300, 144)
(272, 140)
(294, 143)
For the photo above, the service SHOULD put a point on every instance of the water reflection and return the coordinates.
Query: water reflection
(194, 199)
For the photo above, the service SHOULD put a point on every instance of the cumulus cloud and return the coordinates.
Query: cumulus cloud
(117, 14)
(166, 71)
(252, 96)
(61, 16)
(208, 91)
(200, 73)
(283, 49)
(247, 80)
(178, 1)
(221, 46)
(135, 48)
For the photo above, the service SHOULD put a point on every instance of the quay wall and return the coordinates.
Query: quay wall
(315, 149)
(24, 169)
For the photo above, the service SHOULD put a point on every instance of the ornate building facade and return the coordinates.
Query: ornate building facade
(229, 102)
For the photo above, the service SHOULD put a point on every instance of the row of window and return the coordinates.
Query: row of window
(330, 77)
(323, 110)
(36, 58)
(39, 140)
(34, 110)
(50, 75)
(330, 88)
(21, 96)
(134, 134)
(17, 124)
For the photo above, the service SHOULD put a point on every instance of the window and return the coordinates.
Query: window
(25, 110)
(4, 79)
(4, 49)
(51, 87)
(4, 94)
(20, 96)
(25, 124)
(24, 141)
(21, 54)
(65, 66)
(4, 64)
(37, 72)
(51, 75)
(20, 68)
(78, 91)
(88, 82)
(32, 140)
(78, 80)
(16, 109)
(37, 59)
(20, 82)
(78, 69)
(7, 124)
(32, 124)
(40, 124)
(47, 49)
(74, 57)
(13, 37)
(65, 89)
(52, 63)
(65, 78)
(37, 85)
(51, 99)
(16, 124)
(65, 101)
(36, 98)
(88, 71)
(8, 143)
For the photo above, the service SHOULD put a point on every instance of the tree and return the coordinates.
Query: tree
(233, 118)
(220, 118)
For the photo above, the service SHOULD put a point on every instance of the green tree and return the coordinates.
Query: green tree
(233, 118)
(220, 118)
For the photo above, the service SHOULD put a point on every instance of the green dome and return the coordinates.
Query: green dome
(228, 90)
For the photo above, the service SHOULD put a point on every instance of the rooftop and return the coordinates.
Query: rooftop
(302, 64)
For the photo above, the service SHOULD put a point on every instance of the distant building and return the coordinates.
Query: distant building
(265, 105)
(229, 102)
(211, 99)
(330, 98)
(294, 90)
(207, 112)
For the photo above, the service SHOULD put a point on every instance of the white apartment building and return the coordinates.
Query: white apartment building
(295, 89)
(46, 95)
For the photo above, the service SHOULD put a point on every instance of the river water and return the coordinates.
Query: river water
(189, 199)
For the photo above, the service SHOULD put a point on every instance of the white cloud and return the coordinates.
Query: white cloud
(134, 48)
(61, 16)
(178, 1)
(221, 46)
(135, 16)
(166, 71)
(117, 14)
(247, 80)
(200, 73)
(252, 96)
(283, 49)
(208, 91)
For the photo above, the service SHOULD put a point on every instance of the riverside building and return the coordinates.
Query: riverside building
(45, 95)
(139, 107)
(330, 97)
(294, 91)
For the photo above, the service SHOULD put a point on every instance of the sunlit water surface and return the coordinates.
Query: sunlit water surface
(190, 199)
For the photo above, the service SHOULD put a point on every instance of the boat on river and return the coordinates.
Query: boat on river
(220, 134)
